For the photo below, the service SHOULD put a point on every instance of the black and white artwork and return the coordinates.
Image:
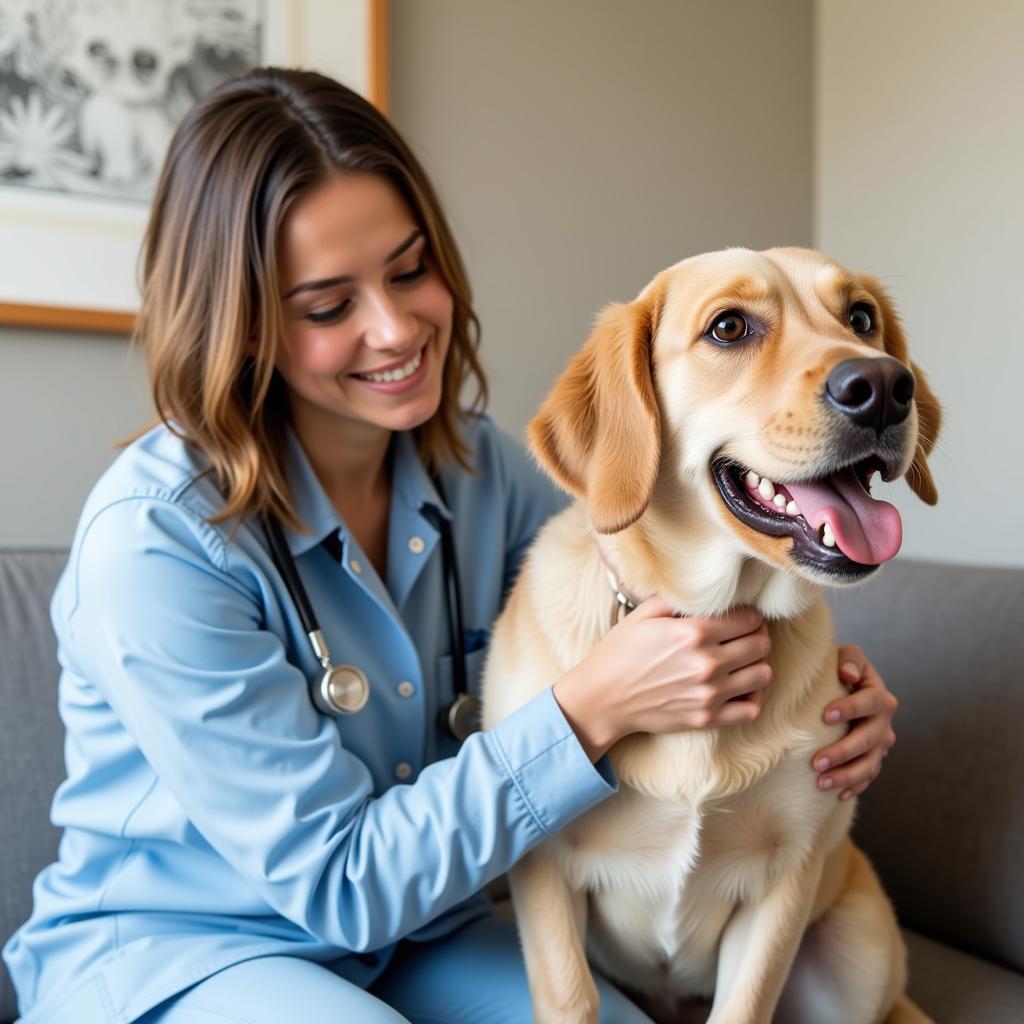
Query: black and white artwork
(91, 90)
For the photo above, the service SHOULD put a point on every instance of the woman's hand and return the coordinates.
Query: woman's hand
(656, 672)
(869, 708)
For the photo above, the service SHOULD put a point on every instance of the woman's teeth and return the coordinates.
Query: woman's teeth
(394, 375)
(766, 489)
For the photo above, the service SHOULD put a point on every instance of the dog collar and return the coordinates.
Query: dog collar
(624, 603)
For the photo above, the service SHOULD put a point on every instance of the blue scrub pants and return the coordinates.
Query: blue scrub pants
(474, 976)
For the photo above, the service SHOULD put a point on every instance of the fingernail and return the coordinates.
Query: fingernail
(826, 783)
(832, 716)
(823, 763)
(846, 794)
(850, 668)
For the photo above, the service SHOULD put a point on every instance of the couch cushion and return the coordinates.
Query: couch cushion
(944, 823)
(31, 735)
(956, 988)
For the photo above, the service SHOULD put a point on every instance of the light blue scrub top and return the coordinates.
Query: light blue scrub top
(211, 814)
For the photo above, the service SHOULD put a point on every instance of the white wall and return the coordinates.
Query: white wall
(919, 160)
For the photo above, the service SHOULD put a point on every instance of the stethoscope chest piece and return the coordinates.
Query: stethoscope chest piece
(462, 717)
(341, 690)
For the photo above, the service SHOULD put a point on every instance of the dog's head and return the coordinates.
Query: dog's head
(772, 384)
(126, 50)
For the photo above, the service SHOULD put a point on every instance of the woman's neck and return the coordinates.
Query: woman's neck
(353, 466)
(350, 460)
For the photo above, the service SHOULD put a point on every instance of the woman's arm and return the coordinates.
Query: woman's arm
(173, 637)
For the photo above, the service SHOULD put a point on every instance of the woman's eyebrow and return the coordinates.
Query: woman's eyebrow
(330, 282)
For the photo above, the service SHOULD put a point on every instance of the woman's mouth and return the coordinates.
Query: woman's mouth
(397, 378)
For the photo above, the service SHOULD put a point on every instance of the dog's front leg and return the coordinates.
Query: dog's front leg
(759, 945)
(552, 920)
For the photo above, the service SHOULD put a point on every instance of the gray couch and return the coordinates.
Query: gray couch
(944, 825)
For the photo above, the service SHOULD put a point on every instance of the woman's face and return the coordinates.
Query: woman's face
(367, 315)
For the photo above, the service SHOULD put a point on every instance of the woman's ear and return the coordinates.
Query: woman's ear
(929, 412)
(598, 432)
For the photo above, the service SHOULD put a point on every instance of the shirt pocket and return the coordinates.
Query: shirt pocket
(475, 660)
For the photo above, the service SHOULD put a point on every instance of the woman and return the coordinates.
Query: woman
(229, 850)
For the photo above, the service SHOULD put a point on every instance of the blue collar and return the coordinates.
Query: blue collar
(411, 482)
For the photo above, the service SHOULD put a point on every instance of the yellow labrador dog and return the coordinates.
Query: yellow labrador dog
(719, 434)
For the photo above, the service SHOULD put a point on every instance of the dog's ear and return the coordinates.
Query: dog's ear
(929, 412)
(598, 432)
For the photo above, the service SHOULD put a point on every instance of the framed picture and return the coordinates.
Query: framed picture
(90, 93)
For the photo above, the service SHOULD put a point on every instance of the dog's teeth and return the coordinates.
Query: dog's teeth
(827, 537)
(779, 501)
(766, 489)
(792, 509)
(752, 478)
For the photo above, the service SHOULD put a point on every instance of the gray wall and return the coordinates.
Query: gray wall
(64, 400)
(582, 145)
(919, 164)
(579, 146)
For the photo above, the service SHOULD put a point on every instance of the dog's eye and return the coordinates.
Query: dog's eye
(730, 326)
(861, 317)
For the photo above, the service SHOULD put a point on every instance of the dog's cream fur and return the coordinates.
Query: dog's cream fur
(718, 869)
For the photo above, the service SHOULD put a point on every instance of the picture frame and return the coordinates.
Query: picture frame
(69, 261)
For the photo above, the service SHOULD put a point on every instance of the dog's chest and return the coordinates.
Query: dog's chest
(663, 877)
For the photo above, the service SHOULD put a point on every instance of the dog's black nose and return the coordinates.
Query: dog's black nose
(872, 392)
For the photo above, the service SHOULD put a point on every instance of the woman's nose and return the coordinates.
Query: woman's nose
(388, 324)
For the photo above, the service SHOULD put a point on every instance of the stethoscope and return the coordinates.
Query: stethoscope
(344, 689)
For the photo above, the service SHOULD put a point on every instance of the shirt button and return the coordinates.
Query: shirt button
(416, 545)
(356, 567)
(403, 770)
(405, 688)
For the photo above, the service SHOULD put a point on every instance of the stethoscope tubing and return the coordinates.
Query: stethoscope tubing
(460, 717)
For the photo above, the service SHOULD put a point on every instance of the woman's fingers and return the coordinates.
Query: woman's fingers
(863, 703)
(856, 774)
(870, 737)
(733, 624)
(746, 650)
(751, 679)
(735, 712)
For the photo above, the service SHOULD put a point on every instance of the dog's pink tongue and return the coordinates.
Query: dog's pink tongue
(866, 530)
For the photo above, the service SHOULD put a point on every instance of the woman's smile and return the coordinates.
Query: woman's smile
(398, 377)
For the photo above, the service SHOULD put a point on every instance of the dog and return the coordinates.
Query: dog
(718, 870)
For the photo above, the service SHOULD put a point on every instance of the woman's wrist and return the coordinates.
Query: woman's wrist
(586, 714)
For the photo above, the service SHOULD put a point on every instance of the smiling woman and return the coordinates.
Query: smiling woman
(341, 223)
(367, 324)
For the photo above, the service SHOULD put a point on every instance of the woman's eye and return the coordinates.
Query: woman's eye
(730, 326)
(329, 315)
(861, 318)
(413, 274)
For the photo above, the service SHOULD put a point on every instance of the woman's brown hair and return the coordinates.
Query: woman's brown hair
(210, 286)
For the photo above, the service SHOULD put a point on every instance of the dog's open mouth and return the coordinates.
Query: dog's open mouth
(835, 524)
